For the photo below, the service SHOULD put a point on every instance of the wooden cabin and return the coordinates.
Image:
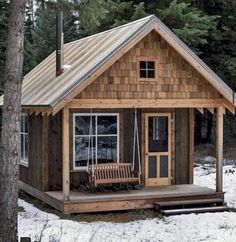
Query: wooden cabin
(119, 110)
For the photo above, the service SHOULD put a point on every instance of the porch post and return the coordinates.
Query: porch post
(191, 144)
(65, 154)
(219, 147)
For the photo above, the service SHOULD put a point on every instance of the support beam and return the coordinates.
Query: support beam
(65, 155)
(146, 103)
(229, 106)
(219, 148)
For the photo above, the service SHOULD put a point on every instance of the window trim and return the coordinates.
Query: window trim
(23, 161)
(83, 168)
(143, 79)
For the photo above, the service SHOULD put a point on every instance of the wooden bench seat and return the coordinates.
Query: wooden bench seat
(111, 173)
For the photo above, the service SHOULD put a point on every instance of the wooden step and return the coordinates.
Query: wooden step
(194, 210)
(188, 202)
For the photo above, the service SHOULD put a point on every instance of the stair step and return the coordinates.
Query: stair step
(195, 210)
(188, 202)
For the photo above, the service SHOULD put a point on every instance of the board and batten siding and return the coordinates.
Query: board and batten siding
(182, 146)
(55, 152)
(32, 175)
(175, 78)
(44, 171)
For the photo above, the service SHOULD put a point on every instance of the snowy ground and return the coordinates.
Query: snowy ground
(42, 226)
(204, 175)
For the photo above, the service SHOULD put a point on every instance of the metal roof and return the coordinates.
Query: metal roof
(83, 57)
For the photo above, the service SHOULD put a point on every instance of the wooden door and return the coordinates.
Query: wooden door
(157, 149)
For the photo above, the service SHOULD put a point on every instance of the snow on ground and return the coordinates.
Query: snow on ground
(204, 175)
(210, 227)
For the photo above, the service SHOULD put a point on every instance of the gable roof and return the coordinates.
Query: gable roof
(86, 56)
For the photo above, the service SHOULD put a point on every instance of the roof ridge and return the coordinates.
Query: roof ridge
(152, 16)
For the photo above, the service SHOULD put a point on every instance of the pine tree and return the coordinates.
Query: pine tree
(41, 38)
(192, 25)
(29, 53)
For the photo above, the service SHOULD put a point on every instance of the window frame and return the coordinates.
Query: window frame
(24, 161)
(147, 79)
(83, 168)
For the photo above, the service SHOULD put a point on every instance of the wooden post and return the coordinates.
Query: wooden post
(45, 164)
(191, 144)
(65, 154)
(219, 147)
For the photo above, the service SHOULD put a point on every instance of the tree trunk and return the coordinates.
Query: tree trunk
(10, 137)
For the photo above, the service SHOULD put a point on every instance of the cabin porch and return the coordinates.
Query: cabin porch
(165, 161)
(146, 198)
(171, 183)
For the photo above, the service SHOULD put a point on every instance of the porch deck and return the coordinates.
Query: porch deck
(121, 200)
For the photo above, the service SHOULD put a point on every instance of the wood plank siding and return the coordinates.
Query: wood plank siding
(55, 152)
(44, 170)
(182, 147)
(175, 78)
(32, 174)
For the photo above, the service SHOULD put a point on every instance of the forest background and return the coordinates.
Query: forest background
(207, 27)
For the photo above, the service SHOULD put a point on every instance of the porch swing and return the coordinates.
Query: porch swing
(114, 173)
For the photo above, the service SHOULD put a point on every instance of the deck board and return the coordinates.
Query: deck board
(122, 200)
(146, 192)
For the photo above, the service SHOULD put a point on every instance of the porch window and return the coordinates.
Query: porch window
(24, 139)
(103, 136)
(147, 69)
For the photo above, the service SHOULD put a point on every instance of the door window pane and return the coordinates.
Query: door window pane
(152, 167)
(164, 166)
(158, 134)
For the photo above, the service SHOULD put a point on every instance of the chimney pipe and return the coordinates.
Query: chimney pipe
(59, 43)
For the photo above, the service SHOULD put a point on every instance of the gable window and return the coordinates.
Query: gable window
(147, 69)
(96, 138)
(24, 137)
